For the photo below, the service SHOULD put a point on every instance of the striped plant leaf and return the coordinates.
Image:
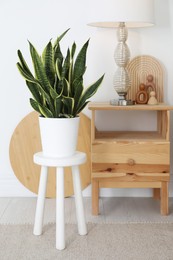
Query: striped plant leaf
(66, 65)
(35, 105)
(58, 106)
(24, 64)
(25, 74)
(78, 90)
(58, 54)
(72, 52)
(58, 68)
(59, 38)
(40, 73)
(57, 50)
(70, 72)
(45, 111)
(60, 87)
(47, 99)
(89, 92)
(81, 108)
(68, 105)
(79, 65)
(65, 87)
(34, 89)
(48, 62)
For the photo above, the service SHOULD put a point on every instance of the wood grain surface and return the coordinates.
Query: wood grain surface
(139, 68)
(25, 141)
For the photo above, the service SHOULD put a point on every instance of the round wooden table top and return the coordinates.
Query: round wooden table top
(25, 142)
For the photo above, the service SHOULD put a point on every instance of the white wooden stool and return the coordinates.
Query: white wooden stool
(73, 161)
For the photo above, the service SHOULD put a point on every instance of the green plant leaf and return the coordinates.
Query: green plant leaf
(45, 111)
(47, 99)
(25, 74)
(58, 54)
(70, 72)
(59, 87)
(79, 65)
(35, 105)
(40, 72)
(78, 90)
(68, 105)
(65, 87)
(58, 68)
(81, 108)
(43, 93)
(73, 49)
(39, 69)
(24, 64)
(58, 106)
(89, 92)
(66, 65)
(57, 49)
(48, 62)
(34, 89)
(60, 37)
(56, 82)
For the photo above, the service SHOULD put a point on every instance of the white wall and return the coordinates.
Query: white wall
(41, 20)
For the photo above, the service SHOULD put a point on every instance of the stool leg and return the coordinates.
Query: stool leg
(82, 229)
(60, 222)
(40, 202)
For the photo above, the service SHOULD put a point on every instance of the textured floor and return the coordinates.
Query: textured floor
(112, 210)
(103, 242)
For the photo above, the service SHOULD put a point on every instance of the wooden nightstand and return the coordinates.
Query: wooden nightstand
(131, 159)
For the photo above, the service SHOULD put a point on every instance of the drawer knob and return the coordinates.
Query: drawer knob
(131, 162)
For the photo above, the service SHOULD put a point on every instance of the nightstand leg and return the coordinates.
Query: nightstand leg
(164, 198)
(156, 193)
(95, 197)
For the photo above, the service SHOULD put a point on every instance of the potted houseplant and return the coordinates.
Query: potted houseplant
(58, 94)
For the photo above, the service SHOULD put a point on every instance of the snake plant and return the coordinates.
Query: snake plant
(57, 84)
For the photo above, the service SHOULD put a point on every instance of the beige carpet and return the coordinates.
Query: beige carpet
(104, 241)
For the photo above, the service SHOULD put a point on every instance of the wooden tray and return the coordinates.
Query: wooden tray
(25, 142)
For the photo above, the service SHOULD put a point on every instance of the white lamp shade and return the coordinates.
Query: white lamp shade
(109, 13)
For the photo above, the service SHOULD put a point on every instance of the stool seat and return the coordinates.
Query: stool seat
(77, 158)
(73, 161)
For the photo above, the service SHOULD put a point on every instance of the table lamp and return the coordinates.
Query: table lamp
(123, 14)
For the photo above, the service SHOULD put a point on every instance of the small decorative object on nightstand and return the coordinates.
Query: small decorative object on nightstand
(140, 69)
(142, 95)
(150, 86)
(152, 100)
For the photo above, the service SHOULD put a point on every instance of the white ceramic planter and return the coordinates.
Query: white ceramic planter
(59, 136)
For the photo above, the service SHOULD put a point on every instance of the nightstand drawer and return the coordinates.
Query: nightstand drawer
(125, 172)
(136, 168)
(131, 153)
